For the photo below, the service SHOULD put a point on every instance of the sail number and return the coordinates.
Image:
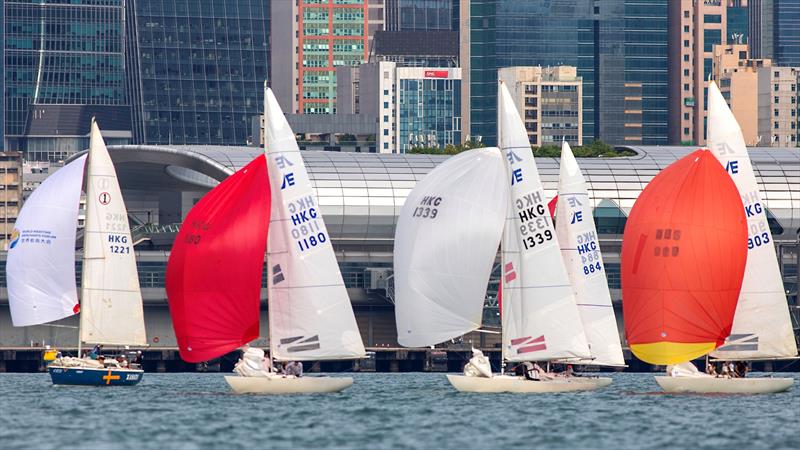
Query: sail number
(118, 244)
(307, 227)
(592, 268)
(428, 207)
(536, 239)
(311, 241)
(758, 240)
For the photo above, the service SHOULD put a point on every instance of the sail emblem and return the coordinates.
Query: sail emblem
(667, 235)
(510, 273)
(529, 344)
(14, 238)
(740, 343)
(302, 343)
(277, 274)
(104, 198)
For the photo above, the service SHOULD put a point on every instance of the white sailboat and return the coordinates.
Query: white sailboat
(580, 248)
(485, 198)
(310, 314)
(762, 326)
(41, 269)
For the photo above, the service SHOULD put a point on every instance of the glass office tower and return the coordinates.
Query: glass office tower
(786, 32)
(196, 69)
(619, 48)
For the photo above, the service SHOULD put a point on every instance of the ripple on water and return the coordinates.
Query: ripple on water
(414, 411)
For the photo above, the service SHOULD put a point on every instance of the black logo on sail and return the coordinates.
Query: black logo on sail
(277, 274)
(301, 343)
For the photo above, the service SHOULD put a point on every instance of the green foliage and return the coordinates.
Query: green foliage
(595, 149)
(448, 149)
(346, 138)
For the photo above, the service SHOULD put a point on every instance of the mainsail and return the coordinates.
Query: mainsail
(445, 245)
(762, 327)
(540, 317)
(310, 314)
(683, 258)
(580, 248)
(41, 254)
(215, 268)
(111, 302)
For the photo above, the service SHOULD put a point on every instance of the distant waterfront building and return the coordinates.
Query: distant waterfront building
(196, 69)
(310, 39)
(775, 31)
(619, 48)
(414, 106)
(62, 60)
(419, 15)
(549, 100)
(2, 79)
(10, 194)
(696, 27)
(778, 106)
(416, 48)
(737, 76)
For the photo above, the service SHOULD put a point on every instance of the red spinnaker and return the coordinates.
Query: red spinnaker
(214, 270)
(683, 258)
(551, 205)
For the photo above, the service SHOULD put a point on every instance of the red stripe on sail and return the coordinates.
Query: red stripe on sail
(532, 348)
(521, 340)
(215, 268)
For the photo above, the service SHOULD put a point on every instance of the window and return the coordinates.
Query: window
(386, 146)
(686, 131)
(775, 87)
(685, 116)
(686, 43)
(777, 100)
(386, 132)
(776, 125)
(686, 14)
(775, 113)
(686, 72)
(686, 28)
(385, 92)
(385, 119)
(686, 86)
(712, 18)
(777, 74)
(385, 104)
(686, 58)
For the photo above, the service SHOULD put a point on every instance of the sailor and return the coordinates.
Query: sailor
(732, 370)
(294, 368)
(529, 371)
(568, 372)
(711, 369)
(95, 353)
(725, 371)
(138, 358)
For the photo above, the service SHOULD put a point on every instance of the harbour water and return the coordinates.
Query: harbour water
(387, 410)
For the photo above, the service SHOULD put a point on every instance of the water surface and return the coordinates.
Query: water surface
(414, 411)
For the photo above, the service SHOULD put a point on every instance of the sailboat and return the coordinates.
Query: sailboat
(684, 253)
(580, 248)
(487, 197)
(761, 326)
(214, 272)
(41, 267)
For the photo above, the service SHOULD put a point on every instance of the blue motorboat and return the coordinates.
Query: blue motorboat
(94, 376)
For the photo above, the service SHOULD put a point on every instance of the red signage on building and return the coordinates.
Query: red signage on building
(436, 74)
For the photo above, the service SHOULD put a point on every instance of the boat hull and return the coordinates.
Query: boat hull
(519, 385)
(86, 376)
(713, 385)
(277, 385)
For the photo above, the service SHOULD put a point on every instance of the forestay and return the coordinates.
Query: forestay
(540, 316)
(580, 248)
(310, 314)
(41, 254)
(762, 327)
(445, 246)
(111, 301)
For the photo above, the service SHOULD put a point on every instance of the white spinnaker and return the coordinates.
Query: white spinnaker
(445, 245)
(310, 314)
(540, 316)
(580, 248)
(41, 255)
(762, 327)
(111, 301)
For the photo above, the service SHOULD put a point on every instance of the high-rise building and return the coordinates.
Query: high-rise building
(413, 106)
(10, 194)
(619, 48)
(416, 48)
(196, 69)
(737, 22)
(419, 15)
(2, 80)
(310, 39)
(549, 101)
(777, 106)
(696, 27)
(737, 76)
(62, 60)
(775, 31)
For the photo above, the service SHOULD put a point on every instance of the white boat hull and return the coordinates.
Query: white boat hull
(276, 385)
(713, 385)
(519, 385)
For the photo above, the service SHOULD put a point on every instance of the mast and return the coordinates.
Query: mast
(269, 278)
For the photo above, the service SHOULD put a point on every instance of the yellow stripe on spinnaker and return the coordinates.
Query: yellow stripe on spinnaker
(665, 353)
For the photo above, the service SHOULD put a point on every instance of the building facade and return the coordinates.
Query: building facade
(737, 24)
(414, 106)
(550, 102)
(10, 194)
(737, 76)
(619, 48)
(61, 59)
(311, 38)
(775, 31)
(196, 69)
(419, 15)
(777, 106)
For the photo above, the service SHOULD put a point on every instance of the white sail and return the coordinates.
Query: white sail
(445, 246)
(41, 254)
(540, 316)
(580, 248)
(310, 314)
(111, 302)
(762, 326)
